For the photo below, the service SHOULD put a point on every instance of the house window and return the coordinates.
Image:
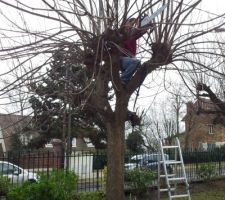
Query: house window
(211, 146)
(211, 128)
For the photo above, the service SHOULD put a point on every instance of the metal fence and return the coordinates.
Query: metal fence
(89, 166)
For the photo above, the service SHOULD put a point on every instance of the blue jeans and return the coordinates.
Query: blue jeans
(129, 66)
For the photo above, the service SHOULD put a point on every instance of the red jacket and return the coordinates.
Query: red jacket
(130, 45)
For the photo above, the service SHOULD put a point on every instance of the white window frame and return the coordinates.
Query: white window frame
(2, 140)
(210, 129)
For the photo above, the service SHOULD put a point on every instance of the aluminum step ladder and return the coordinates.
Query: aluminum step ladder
(176, 175)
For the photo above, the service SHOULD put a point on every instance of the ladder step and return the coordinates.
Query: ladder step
(179, 196)
(167, 162)
(173, 162)
(170, 147)
(177, 179)
(166, 189)
(171, 178)
(168, 175)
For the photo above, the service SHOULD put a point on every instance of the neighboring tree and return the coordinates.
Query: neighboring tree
(16, 143)
(17, 97)
(171, 114)
(135, 142)
(91, 36)
(177, 104)
(151, 130)
(169, 129)
(162, 121)
(49, 105)
(22, 140)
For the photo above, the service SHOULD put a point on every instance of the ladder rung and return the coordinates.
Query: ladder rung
(179, 196)
(173, 162)
(176, 179)
(172, 177)
(170, 147)
(166, 189)
(168, 175)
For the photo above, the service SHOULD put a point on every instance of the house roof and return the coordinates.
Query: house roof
(203, 103)
(10, 123)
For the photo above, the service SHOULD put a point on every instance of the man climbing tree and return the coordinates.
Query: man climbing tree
(87, 34)
(132, 30)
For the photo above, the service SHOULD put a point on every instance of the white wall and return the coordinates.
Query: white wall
(82, 164)
(2, 141)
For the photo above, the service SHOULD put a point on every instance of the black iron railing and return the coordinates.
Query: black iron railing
(89, 166)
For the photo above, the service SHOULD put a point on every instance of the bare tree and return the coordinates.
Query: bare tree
(162, 121)
(151, 130)
(18, 95)
(177, 105)
(89, 32)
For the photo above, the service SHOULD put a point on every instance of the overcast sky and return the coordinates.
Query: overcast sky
(215, 6)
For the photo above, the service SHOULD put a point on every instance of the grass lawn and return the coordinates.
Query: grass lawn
(214, 190)
(209, 190)
(209, 195)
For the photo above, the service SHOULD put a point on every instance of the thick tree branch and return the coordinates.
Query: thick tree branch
(218, 103)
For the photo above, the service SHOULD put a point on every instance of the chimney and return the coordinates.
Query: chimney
(190, 107)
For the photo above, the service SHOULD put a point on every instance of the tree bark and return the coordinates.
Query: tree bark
(115, 161)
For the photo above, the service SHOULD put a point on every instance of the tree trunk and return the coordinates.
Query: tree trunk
(115, 164)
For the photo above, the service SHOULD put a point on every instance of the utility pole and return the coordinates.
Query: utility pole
(69, 145)
(67, 119)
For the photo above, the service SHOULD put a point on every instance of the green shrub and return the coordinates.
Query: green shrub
(58, 185)
(92, 196)
(139, 180)
(4, 185)
(19, 192)
(206, 171)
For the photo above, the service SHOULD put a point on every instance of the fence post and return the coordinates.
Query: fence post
(58, 152)
(220, 158)
(97, 175)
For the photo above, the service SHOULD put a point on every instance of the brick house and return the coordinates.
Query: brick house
(11, 124)
(203, 130)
